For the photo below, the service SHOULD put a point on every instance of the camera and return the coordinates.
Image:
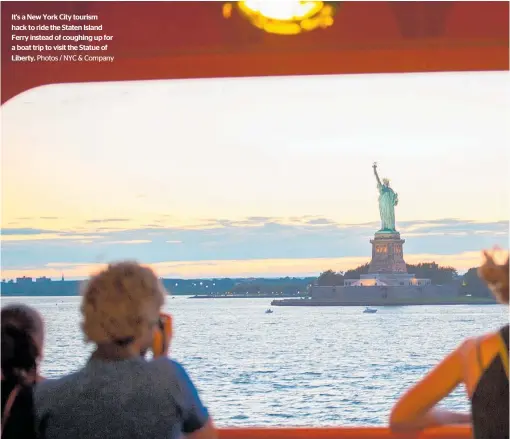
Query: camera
(162, 336)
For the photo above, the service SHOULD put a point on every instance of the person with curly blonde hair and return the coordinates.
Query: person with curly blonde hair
(120, 394)
(480, 363)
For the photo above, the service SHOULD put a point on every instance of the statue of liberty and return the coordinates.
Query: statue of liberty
(388, 199)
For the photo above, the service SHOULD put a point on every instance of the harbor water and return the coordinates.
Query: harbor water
(299, 366)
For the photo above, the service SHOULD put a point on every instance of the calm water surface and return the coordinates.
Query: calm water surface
(296, 367)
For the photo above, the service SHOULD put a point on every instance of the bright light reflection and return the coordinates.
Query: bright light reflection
(284, 10)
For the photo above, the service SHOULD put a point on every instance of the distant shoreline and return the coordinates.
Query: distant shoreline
(69, 295)
(188, 295)
(244, 296)
(272, 287)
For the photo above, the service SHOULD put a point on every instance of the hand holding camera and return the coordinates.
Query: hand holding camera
(162, 336)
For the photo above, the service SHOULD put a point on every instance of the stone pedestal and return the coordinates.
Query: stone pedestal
(387, 253)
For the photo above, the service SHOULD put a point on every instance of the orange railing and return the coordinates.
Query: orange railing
(342, 433)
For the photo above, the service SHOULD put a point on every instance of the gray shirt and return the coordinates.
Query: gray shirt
(131, 398)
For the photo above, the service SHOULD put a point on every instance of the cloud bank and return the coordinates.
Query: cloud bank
(253, 246)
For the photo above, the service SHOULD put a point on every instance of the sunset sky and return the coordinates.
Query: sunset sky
(252, 177)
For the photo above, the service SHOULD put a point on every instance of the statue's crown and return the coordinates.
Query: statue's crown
(386, 181)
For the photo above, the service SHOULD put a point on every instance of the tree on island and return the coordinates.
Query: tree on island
(357, 272)
(472, 284)
(437, 274)
(330, 278)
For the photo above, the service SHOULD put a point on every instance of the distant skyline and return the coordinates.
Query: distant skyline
(252, 176)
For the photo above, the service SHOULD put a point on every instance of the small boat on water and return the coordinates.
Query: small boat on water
(269, 311)
(370, 310)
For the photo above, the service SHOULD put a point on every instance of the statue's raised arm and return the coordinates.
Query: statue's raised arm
(376, 174)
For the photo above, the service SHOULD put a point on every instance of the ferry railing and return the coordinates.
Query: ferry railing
(450, 432)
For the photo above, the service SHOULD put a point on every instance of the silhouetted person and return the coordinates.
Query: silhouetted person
(119, 394)
(480, 363)
(22, 345)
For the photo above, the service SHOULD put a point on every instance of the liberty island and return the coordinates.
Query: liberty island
(387, 282)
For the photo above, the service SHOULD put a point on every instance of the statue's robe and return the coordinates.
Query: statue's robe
(388, 199)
